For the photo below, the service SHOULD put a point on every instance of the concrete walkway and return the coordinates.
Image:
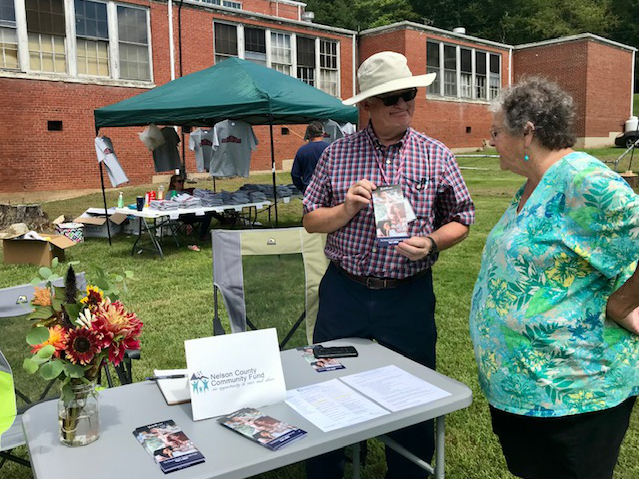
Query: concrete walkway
(30, 197)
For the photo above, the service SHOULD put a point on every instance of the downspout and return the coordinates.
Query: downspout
(171, 45)
(510, 66)
(354, 64)
(632, 83)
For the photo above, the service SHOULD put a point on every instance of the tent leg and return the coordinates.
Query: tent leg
(273, 169)
(105, 203)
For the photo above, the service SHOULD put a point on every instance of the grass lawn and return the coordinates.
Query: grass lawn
(174, 298)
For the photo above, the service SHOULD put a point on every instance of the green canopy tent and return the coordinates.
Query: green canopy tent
(234, 89)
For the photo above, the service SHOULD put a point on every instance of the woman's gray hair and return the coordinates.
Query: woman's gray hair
(541, 102)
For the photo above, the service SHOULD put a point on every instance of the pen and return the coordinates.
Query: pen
(170, 376)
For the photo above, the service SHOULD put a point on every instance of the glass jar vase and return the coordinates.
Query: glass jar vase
(78, 415)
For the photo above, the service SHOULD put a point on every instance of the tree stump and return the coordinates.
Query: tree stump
(31, 215)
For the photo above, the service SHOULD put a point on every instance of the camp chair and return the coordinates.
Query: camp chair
(229, 246)
(11, 435)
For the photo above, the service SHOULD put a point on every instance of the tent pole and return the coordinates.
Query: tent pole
(273, 168)
(97, 131)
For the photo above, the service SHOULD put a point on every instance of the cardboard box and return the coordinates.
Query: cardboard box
(95, 222)
(32, 251)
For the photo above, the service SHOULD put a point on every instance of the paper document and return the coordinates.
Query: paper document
(394, 388)
(175, 391)
(332, 405)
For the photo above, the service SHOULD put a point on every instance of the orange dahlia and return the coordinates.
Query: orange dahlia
(94, 298)
(119, 329)
(41, 297)
(57, 337)
(82, 345)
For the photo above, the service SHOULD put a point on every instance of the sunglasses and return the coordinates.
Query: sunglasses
(179, 181)
(393, 99)
(494, 132)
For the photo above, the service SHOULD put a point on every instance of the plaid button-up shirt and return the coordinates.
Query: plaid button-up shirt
(430, 180)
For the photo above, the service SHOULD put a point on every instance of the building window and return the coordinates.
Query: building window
(495, 76)
(46, 33)
(281, 54)
(224, 3)
(225, 41)
(462, 77)
(329, 74)
(480, 75)
(306, 60)
(8, 38)
(432, 66)
(92, 35)
(133, 44)
(255, 45)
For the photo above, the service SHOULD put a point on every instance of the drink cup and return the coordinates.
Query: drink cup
(139, 203)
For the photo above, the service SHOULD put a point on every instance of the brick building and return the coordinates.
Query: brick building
(61, 59)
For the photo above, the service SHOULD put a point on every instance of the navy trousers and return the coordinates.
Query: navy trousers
(402, 319)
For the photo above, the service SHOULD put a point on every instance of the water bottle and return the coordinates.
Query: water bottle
(161, 192)
(121, 200)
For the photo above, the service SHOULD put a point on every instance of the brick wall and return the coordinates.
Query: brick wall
(35, 159)
(459, 124)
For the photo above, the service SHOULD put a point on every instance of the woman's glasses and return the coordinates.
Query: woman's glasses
(179, 181)
(494, 132)
(393, 99)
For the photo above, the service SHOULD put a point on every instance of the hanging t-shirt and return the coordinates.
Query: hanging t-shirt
(106, 154)
(166, 156)
(203, 143)
(233, 156)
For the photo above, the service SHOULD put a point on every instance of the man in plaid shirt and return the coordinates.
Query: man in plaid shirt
(385, 292)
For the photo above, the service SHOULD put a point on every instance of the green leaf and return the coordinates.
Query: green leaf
(73, 310)
(513, 339)
(46, 352)
(56, 304)
(36, 281)
(73, 370)
(41, 312)
(51, 370)
(29, 365)
(584, 217)
(54, 262)
(118, 278)
(67, 393)
(543, 300)
(103, 284)
(45, 272)
(37, 335)
(73, 263)
(129, 274)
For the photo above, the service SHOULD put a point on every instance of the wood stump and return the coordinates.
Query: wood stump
(31, 215)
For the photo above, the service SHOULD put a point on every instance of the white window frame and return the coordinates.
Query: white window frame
(293, 38)
(111, 59)
(13, 27)
(441, 71)
(319, 68)
(70, 41)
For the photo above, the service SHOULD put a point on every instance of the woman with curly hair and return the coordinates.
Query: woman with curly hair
(554, 316)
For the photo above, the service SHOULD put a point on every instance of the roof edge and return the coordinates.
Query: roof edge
(574, 38)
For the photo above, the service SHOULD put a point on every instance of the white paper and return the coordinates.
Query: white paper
(332, 405)
(174, 215)
(175, 391)
(394, 388)
(233, 371)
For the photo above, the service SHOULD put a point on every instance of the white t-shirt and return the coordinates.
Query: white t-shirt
(106, 153)
(233, 156)
(203, 143)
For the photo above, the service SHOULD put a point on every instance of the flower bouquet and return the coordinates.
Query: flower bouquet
(75, 334)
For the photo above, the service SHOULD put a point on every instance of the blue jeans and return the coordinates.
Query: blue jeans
(402, 319)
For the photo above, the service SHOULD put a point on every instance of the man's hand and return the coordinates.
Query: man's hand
(415, 248)
(358, 197)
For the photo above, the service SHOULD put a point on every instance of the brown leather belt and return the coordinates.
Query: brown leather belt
(373, 282)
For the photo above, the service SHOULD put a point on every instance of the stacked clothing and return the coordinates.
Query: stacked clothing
(208, 197)
(267, 190)
(183, 201)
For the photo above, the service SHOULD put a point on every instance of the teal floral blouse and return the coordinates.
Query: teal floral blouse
(537, 321)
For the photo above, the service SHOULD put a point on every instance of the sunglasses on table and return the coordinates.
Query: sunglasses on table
(391, 100)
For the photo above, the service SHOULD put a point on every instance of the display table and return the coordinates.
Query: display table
(152, 220)
(228, 455)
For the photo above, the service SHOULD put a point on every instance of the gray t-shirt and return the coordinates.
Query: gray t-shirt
(203, 143)
(233, 156)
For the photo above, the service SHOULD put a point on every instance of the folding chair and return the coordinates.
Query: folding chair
(229, 246)
(11, 435)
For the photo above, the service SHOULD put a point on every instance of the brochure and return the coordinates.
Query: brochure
(391, 217)
(264, 430)
(319, 365)
(168, 445)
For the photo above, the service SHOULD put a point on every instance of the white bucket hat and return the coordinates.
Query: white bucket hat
(385, 72)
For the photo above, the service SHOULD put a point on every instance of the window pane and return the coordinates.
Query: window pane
(45, 16)
(480, 86)
(494, 63)
(134, 62)
(225, 40)
(432, 54)
(8, 48)
(280, 50)
(93, 57)
(465, 60)
(450, 57)
(328, 81)
(495, 86)
(91, 19)
(132, 25)
(7, 13)
(306, 52)
(450, 71)
(47, 53)
(254, 40)
(306, 74)
(328, 54)
(480, 63)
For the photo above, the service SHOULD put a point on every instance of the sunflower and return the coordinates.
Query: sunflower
(57, 337)
(82, 345)
(94, 298)
(119, 330)
(41, 297)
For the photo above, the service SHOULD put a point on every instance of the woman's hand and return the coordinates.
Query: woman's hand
(629, 322)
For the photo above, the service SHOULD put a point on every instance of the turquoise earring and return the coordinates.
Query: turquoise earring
(526, 157)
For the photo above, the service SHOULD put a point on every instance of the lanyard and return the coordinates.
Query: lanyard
(402, 159)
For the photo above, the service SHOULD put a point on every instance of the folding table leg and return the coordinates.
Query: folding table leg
(439, 447)
(356, 450)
